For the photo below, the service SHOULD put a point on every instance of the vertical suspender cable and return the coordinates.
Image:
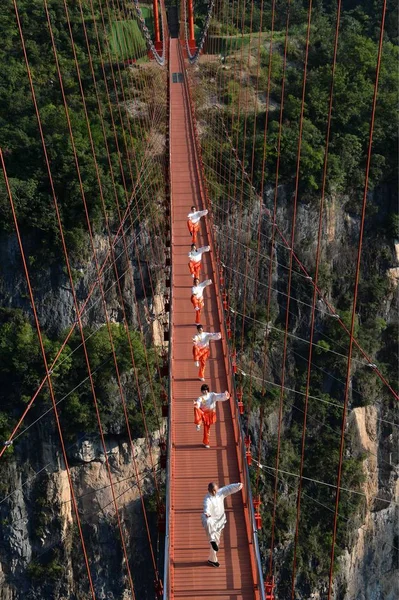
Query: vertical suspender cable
(289, 285)
(260, 216)
(314, 298)
(111, 248)
(48, 372)
(107, 257)
(355, 292)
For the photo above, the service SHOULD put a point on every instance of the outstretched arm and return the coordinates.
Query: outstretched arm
(205, 283)
(222, 397)
(214, 336)
(227, 490)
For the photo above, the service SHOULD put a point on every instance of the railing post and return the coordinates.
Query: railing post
(157, 33)
(190, 18)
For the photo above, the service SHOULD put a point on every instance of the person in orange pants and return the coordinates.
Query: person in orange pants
(205, 410)
(197, 296)
(193, 222)
(195, 257)
(201, 349)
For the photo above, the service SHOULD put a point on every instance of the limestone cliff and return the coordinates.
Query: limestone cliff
(40, 549)
(368, 567)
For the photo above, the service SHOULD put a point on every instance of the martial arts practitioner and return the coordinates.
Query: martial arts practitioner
(214, 518)
(197, 296)
(205, 410)
(193, 222)
(195, 257)
(201, 350)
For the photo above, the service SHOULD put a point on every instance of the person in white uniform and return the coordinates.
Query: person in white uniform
(205, 410)
(201, 350)
(214, 518)
(195, 257)
(197, 297)
(193, 222)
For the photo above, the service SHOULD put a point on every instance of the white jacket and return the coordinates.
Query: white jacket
(198, 290)
(208, 401)
(201, 340)
(196, 255)
(194, 217)
(214, 506)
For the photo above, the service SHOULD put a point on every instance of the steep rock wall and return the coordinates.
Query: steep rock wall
(40, 548)
(369, 565)
(38, 520)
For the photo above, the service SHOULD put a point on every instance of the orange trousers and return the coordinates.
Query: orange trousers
(193, 229)
(205, 418)
(198, 304)
(195, 268)
(201, 355)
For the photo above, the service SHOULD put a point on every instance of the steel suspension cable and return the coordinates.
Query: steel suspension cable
(156, 411)
(326, 484)
(318, 398)
(80, 312)
(130, 271)
(242, 181)
(237, 124)
(155, 191)
(128, 334)
(56, 358)
(130, 216)
(333, 311)
(293, 228)
(222, 78)
(121, 299)
(94, 395)
(234, 115)
(260, 206)
(115, 89)
(355, 293)
(48, 372)
(260, 213)
(314, 299)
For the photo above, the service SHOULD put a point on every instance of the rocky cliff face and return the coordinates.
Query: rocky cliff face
(52, 288)
(40, 549)
(40, 552)
(369, 565)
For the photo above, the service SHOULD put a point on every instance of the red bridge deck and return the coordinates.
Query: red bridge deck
(192, 465)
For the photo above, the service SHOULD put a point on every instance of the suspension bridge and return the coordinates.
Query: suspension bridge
(142, 95)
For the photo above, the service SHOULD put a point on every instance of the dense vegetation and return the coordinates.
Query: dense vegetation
(353, 89)
(233, 82)
(22, 370)
(19, 134)
(109, 42)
